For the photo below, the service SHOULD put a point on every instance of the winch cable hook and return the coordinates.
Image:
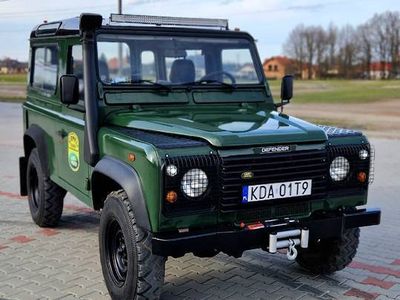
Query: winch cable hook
(292, 251)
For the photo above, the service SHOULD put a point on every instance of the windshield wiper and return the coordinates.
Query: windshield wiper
(150, 82)
(202, 81)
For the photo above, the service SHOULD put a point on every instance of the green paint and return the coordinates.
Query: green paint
(230, 122)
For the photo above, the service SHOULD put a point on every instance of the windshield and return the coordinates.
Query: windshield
(173, 61)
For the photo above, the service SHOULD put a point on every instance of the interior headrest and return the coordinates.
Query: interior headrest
(182, 71)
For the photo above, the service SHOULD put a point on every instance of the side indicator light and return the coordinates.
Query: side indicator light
(131, 157)
(171, 197)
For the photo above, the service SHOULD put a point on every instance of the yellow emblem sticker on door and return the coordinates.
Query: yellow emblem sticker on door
(73, 151)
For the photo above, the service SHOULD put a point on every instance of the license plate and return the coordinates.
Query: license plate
(271, 191)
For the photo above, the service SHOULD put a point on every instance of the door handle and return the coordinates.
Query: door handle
(62, 133)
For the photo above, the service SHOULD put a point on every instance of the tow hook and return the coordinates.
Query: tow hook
(289, 239)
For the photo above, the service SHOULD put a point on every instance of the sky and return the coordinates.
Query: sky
(269, 21)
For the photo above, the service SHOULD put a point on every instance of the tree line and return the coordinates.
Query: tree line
(348, 52)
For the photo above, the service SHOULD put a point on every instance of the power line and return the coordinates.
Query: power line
(50, 11)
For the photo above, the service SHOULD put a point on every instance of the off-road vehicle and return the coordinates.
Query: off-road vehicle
(168, 127)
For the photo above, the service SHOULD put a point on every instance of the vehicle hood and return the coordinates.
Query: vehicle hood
(223, 127)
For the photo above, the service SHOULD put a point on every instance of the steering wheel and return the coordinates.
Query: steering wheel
(212, 75)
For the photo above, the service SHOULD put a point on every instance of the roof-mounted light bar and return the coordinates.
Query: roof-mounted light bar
(169, 21)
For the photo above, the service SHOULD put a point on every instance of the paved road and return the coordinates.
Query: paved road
(64, 262)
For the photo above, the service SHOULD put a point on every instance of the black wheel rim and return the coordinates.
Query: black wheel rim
(34, 187)
(117, 254)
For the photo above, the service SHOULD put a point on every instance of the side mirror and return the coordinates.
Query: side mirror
(287, 89)
(69, 86)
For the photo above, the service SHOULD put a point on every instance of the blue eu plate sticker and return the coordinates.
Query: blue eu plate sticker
(245, 191)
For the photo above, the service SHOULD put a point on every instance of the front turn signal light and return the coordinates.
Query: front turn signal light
(362, 177)
(171, 197)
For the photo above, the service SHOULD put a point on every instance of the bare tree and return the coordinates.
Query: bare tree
(380, 41)
(350, 50)
(295, 46)
(320, 49)
(393, 35)
(331, 40)
(347, 50)
(365, 41)
(310, 38)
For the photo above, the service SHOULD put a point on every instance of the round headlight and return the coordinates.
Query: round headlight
(339, 168)
(194, 183)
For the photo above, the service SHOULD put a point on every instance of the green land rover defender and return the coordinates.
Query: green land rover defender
(167, 126)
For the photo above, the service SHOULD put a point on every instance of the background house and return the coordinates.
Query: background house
(12, 66)
(380, 70)
(278, 66)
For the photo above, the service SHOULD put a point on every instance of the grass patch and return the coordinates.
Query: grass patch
(341, 91)
(13, 78)
(12, 99)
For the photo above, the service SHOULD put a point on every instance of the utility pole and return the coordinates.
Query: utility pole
(120, 44)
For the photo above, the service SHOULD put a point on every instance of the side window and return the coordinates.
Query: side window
(76, 67)
(148, 66)
(45, 68)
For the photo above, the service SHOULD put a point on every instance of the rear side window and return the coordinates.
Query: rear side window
(45, 68)
(76, 67)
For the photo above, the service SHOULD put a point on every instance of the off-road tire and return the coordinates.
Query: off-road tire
(144, 271)
(329, 256)
(46, 199)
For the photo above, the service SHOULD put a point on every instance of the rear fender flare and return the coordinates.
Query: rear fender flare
(37, 135)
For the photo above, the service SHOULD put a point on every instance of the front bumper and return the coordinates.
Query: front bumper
(235, 241)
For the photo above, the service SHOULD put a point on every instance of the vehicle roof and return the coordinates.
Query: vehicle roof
(70, 27)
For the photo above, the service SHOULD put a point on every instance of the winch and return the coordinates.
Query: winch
(288, 239)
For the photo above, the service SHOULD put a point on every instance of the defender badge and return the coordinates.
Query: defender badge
(275, 149)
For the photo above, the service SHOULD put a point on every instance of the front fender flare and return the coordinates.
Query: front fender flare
(126, 177)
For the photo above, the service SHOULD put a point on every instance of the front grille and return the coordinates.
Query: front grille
(272, 168)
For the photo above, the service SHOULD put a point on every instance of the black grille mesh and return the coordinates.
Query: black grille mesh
(351, 153)
(208, 164)
(272, 168)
